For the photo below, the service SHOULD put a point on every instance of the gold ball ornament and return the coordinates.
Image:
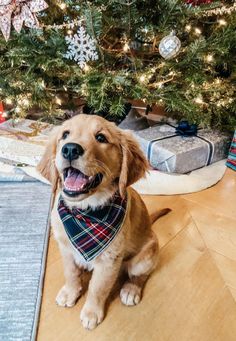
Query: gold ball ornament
(169, 46)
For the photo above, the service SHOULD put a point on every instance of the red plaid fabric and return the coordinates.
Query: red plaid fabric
(91, 231)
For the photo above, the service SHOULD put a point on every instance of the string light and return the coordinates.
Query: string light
(197, 31)
(126, 47)
(58, 100)
(43, 84)
(209, 58)
(8, 101)
(198, 100)
(25, 102)
(188, 28)
(17, 109)
(222, 22)
(62, 6)
(142, 78)
(86, 67)
(69, 32)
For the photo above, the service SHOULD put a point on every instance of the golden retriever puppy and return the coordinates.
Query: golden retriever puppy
(99, 222)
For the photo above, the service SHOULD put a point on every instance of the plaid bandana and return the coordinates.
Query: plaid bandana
(89, 231)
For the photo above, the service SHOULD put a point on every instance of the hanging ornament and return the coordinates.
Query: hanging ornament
(19, 12)
(198, 2)
(2, 118)
(81, 47)
(169, 46)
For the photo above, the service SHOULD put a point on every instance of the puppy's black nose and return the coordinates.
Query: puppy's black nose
(72, 151)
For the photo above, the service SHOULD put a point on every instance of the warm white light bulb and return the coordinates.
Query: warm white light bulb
(58, 101)
(69, 32)
(198, 100)
(126, 47)
(25, 102)
(86, 68)
(188, 28)
(142, 78)
(62, 6)
(209, 58)
(222, 22)
(8, 101)
(197, 31)
(17, 109)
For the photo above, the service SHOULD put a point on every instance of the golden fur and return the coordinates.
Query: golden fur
(135, 248)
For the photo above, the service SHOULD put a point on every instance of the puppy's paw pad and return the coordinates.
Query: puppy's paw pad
(130, 294)
(67, 297)
(91, 319)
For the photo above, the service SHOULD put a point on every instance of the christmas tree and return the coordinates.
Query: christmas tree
(179, 54)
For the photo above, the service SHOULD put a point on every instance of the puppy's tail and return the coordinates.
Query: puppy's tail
(156, 215)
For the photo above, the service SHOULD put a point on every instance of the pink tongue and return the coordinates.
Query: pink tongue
(74, 181)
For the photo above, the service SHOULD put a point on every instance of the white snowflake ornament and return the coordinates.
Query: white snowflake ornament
(81, 47)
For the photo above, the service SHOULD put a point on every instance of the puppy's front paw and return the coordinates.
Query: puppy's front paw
(130, 294)
(67, 297)
(91, 317)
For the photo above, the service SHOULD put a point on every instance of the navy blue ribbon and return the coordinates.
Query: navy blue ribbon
(185, 129)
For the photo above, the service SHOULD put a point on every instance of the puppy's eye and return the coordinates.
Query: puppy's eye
(101, 138)
(65, 134)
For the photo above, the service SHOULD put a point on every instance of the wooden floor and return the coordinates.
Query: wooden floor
(192, 294)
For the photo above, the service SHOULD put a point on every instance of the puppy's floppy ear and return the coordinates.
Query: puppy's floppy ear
(134, 164)
(46, 167)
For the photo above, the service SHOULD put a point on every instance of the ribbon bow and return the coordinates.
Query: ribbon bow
(19, 12)
(186, 129)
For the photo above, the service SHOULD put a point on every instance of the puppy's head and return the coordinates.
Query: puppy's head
(88, 155)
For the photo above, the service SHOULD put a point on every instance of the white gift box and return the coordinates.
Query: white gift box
(23, 141)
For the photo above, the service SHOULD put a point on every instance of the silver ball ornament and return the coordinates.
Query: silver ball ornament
(169, 46)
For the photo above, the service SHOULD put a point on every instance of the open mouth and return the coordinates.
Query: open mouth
(76, 182)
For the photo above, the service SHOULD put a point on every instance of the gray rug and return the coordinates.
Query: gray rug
(24, 211)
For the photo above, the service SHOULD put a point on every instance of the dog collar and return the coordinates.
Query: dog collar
(91, 231)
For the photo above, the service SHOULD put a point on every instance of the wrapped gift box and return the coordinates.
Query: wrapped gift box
(169, 152)
(231, 161)
(23, 141)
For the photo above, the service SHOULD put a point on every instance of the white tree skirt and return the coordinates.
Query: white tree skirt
(166, 184)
